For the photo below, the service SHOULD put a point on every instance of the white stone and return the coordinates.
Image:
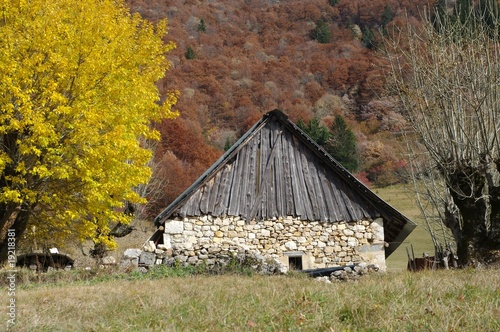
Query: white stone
(149, 246)
(166, 241)
(352, 242)
(132, 253)
(108, 260)
(348, 232)
(174, 227)
(378, 230)
(291, 245)
(265, 233)
(251, 236)
(359, 228)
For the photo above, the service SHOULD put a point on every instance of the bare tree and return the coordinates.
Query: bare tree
(446, 72)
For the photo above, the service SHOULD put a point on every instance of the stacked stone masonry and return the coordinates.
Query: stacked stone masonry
(319, 244)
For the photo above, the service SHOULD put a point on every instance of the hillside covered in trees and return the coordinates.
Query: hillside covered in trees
(237, 60)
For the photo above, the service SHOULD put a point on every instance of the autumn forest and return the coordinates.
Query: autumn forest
(236, 60)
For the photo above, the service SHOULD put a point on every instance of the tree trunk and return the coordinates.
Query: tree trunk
(18, 222)
(476, 194)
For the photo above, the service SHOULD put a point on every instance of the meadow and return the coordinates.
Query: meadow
(455, 300)
(180, 299)
(400, 197)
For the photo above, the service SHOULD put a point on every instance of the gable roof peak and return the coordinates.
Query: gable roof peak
(276, 170)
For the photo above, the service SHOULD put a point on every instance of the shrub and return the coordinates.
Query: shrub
(321, 32)
(190, 54)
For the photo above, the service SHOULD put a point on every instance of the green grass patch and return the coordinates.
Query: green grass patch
(401, 198)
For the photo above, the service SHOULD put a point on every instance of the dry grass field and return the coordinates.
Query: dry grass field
(460, 300)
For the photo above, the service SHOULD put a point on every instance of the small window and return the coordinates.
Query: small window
(295, 262)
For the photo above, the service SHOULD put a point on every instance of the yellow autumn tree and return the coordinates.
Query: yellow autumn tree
(77, 95)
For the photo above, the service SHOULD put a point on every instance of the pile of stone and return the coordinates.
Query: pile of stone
(350, 273)
(151, 255)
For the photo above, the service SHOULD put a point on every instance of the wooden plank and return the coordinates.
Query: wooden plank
(205, 194)
(338, 198)
(236, 183)
(320, 199)
(347, 201)
(214, 189)
(279, 176)
(222, 200)
(311, 204)
(331, 204)
(296, 183)
(192, 206)
(272, 190)
(305, 199)
(251, 179)
(289, 208)
(261, 197)
(357, 203)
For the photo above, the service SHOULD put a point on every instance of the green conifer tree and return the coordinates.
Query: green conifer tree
(202, 26)
(190, 53)
(368, 38)
(321, 32)
(387, 16)
(342, 144)
(318, 132)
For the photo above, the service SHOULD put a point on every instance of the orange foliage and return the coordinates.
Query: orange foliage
(184, 139)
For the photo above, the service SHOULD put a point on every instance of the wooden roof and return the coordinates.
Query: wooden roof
(277, 170)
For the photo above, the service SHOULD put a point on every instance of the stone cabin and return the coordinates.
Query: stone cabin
(278, 194)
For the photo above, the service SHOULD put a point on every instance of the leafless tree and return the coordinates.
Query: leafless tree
(446, 72)
(153, 190)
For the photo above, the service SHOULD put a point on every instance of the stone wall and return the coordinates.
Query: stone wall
(288, 240)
